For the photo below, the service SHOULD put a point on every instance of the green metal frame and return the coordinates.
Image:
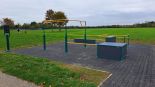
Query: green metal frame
(66, 40)
(66, 37)
(44, 39)
(85, 36)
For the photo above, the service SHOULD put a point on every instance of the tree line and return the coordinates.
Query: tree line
(49, 15)
(54, 15)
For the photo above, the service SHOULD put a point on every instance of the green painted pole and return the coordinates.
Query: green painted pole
(7, 42)
(128, 39)
(66, 40)
(124, 39)
(85, 37)
(44, 39)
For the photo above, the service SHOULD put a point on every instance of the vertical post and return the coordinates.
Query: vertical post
(44, 39)
(124, 38)
(66, 40)
(128, 39)
(85, 36)
(7, 42)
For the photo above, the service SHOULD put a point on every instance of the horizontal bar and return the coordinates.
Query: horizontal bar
(81, 43)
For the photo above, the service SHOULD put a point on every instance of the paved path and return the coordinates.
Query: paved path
(10, 81)
(138, 70)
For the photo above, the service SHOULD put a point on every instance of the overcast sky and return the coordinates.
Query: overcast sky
(95, 12)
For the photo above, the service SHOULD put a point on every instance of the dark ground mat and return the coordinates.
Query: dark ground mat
(138, 70)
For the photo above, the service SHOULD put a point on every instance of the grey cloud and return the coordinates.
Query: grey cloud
(96, 12)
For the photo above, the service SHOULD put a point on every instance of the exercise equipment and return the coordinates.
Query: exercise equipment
(91, 42)
(110, 50)
(82, 23)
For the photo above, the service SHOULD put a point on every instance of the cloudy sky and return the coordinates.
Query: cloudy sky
(95, 12)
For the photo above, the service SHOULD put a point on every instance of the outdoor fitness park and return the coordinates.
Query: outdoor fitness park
(125, 64)
(107, 47)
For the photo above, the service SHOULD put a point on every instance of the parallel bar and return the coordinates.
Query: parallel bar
(88, 35)
(81, 43)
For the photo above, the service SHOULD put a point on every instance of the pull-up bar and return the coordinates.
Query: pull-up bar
(63, 20)
(66, 35)
(82, 23)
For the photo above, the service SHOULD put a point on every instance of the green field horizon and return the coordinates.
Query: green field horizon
(34, 37)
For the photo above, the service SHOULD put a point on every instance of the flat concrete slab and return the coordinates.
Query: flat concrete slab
(138, 70)
(11, 81)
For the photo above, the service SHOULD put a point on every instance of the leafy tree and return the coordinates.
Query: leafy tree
(26, 26)
(17, 26)
(50, 14)
(8, 21)
(33, 23)
(60, 15)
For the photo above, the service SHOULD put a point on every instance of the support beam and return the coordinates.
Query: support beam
(44, 39)
(85, 37)
(66, 40)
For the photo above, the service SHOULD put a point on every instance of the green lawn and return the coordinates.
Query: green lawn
(34, 37)
(41, 71)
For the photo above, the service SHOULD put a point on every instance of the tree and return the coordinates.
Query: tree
(26, 26)
(17, 26)
(33, 23)
(52, 15)
(60, 15)
(8, 21)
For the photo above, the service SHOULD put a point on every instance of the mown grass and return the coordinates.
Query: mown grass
(44, 72)
(47, 73)
(34, 37)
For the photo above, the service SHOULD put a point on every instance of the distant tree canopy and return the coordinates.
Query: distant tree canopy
(50, 15)
(8, 21)
(55, 15)
(33, 23)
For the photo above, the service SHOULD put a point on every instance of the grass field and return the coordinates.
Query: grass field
(34, 37)
(47, 73)
(41, 71)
